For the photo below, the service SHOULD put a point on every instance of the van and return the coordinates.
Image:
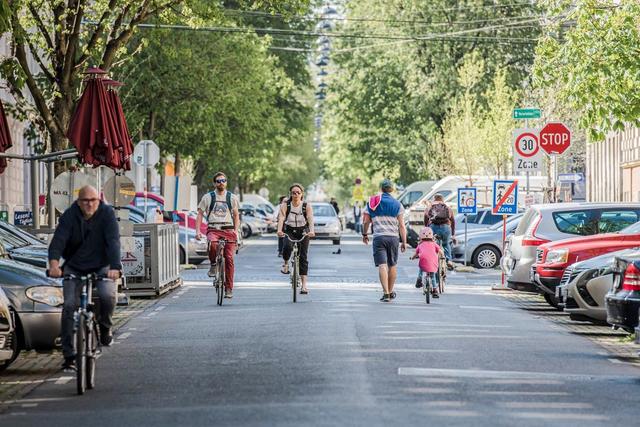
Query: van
(414, 192)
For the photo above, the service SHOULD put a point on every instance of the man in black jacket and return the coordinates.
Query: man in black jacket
(88, 239)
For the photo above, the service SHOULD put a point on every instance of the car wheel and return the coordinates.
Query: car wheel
(552, 301)
(246, 232)
(183, 257)
(336, 241)
(486, 256)
(15, 347)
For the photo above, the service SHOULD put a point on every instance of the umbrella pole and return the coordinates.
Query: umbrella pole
(50, 209)
(35, 180)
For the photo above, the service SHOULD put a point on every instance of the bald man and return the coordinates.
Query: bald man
(88, 239)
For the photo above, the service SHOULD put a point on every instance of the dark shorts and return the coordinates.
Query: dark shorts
(385, 250)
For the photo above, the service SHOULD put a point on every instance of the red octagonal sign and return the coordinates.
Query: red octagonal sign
(555, 138)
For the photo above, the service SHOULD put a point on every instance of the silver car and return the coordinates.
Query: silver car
(326, 223)
(585, 284)
(7, 339)
(547, 223)
(484, 247)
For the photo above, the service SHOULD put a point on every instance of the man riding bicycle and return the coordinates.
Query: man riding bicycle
(441, 220)
(221, 208)
(88, 238)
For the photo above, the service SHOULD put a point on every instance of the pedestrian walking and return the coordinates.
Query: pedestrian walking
(385, 214)
(440, 218)
(357, 214)
(334, 203)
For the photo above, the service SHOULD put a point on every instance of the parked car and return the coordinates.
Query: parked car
(326, 223)
(35, 300)
(22, 246)
(623, 300)
(7, 335)
(554, 257)
(253, 222)
(198, 249)
(585, 284)
(548, 223)
(484, 247)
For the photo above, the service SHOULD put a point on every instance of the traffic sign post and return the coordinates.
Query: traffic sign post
(505, 197)
(467, 204)
(527, 156)
(526, 113)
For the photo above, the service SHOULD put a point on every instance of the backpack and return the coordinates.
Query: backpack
(439, 213)
(304, 211)
(213, 201)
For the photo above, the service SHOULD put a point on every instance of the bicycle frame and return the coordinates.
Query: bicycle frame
(295, 261)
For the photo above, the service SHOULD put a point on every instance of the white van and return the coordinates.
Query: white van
(414, 192)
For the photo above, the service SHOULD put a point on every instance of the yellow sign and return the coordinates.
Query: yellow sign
(358, 193)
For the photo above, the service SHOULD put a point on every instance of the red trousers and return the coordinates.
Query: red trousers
(229, 251)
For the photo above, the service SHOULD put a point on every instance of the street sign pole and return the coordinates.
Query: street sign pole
(466, 219)
(146, 167)
(526, 125)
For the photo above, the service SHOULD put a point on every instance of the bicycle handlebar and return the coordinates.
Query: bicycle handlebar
(296, 241)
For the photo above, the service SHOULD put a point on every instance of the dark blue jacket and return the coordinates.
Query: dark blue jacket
(87, 245)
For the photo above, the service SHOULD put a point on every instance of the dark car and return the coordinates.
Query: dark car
(623, 300)
(22, 246)
(6, 332)
(36, 303)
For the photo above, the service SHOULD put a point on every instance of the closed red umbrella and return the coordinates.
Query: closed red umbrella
(5, 138)
(93, 130)
(124, 143)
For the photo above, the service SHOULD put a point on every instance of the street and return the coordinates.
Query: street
(340, 357)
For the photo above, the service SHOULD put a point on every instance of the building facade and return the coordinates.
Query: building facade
(613, 167)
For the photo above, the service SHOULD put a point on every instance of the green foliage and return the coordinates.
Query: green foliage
(591, 57)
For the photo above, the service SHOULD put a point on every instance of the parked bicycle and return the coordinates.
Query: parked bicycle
(86, 332)
(294, 271)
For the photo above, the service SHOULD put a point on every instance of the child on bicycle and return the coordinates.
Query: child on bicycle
(428, 251)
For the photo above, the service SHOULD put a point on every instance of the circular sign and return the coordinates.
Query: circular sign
(119, 190)
(146, 153)
(555, 138)
(527, 144)
(66, 186)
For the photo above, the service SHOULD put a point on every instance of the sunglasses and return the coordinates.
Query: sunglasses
(88, 200)
(296, 192)
(221, 181)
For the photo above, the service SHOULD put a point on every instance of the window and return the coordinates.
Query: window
(530, 217)
(612, 221)
(490, 218)
(581, 223)
(410, 198)
(323, 210)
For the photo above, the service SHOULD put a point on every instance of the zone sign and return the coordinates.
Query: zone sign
(527, 156)
(555, 138)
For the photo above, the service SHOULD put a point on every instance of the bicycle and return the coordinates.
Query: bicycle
(86, 332)
(295, 264)
(442, 266)
(220, 278)
(427, 286)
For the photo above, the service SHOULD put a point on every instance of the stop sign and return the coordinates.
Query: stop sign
(555, 138)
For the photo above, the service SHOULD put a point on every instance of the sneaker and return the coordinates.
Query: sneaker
(228, 293)
(69, 364)
(392, 295)
(106, 337)
(418, 283)
(385, 298)
(435, 294)
(213, 270)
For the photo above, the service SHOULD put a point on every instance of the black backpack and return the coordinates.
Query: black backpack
(304, 211)
(213, 201)
(439, 213)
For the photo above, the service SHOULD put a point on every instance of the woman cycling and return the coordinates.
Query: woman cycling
(296, 218)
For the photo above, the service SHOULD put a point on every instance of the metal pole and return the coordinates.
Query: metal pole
(526, 125)
(146, 166)
(466, 219)
(50, 209)
(35, 180)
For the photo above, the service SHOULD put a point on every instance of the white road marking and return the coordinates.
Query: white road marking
(456, 413)
(430, 390)
(452, 325)
(525, 382)
(450, 336)
(555, 416)
(523, 393)
(63, 380)
(403, 350)
(29, 405)
(152, 314)
(514, 375)
(446, 403)
(124, 336)
(162, 307)
(482, 307)
(42, 399)
(545, 405)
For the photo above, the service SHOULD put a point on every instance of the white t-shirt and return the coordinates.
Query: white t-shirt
(220, 214)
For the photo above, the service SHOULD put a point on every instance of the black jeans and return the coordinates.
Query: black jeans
(72, 289)
(281, 244)
(296, 234)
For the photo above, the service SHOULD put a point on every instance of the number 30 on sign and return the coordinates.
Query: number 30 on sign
(527, 156)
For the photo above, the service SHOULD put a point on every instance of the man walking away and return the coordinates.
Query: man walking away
(385, 214)
(357, 213)
(440, 218)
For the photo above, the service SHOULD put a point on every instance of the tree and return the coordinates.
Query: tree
(64, 38)
(593, 53)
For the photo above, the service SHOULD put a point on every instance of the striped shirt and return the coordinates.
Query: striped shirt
(384, 217)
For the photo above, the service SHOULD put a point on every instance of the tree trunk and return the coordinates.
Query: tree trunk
(178, 165)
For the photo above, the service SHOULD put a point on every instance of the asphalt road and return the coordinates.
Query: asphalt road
(340, 357)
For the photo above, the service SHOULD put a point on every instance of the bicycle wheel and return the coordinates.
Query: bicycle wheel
(221, 281)
(442, 276)
(92, 346)
(295, 276)
(81, 348)
(426, 286)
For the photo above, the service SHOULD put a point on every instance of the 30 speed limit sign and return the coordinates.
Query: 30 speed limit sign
(527, 156)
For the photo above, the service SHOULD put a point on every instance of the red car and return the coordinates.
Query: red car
(554, 257)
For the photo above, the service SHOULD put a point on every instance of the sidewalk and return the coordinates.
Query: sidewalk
(32, 369)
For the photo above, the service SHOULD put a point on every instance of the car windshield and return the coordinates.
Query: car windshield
(21, 234)
(11, 241)
(632, 229)
(323, 210)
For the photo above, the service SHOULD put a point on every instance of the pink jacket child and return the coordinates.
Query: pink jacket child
(427, 252)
